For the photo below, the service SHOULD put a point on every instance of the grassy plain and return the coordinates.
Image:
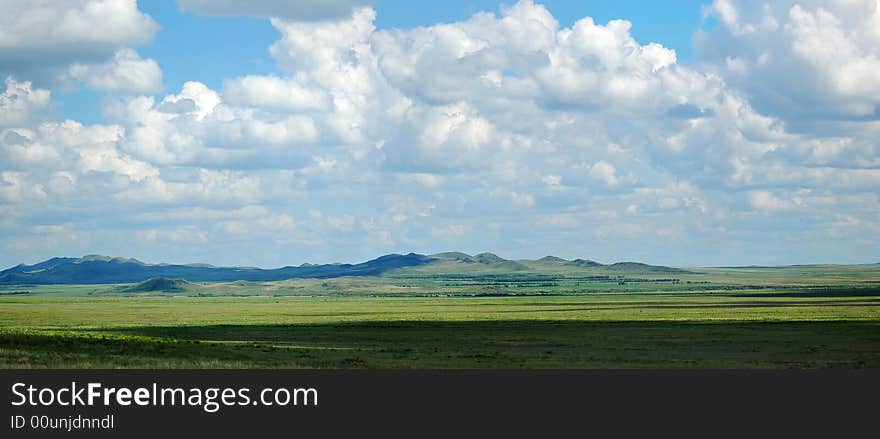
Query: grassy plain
(794, 317)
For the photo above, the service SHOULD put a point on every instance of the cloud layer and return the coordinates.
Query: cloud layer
(80, 40)
(502, 132)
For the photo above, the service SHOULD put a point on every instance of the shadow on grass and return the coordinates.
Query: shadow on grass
(460, 344)
(37, 349)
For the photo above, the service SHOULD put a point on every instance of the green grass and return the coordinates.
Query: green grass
(755, 328)
(457, 316)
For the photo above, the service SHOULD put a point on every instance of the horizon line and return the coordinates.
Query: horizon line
(731, 266)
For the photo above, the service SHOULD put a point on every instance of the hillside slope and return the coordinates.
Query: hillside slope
(94, 269)
(106, 270)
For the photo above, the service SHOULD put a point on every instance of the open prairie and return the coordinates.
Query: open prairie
(792, 317)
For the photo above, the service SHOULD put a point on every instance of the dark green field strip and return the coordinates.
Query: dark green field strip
(656, 304)
(816, 292)
(456, 344)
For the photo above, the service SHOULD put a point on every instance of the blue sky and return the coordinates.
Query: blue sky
(279, 132)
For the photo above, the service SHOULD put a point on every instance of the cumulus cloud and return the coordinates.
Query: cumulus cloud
(799, 60)
(300, 10)
(73, 25)
(498, 132)
(274, 93)
(83, 40)
(195, 127)
(126, 71)
(337, 57)
(604, 172)
(20, 101)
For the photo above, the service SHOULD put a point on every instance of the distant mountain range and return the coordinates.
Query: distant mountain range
(95, 269)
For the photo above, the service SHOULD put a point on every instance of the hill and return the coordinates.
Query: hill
(585, 263)
(107, 270)
(160, 285)
(552, 260)
(639, 267)
(455, 256)
(96, 269)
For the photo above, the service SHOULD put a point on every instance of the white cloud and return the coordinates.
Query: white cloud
(14, 187)
(437, 138)
(806, 59)
(126, 71)
(200, 100)
(195, 127)
(64, 43)
(850, 66)
(605, 172)
(20, 101)
(275, 93)
(94, 149)
(71, 25)
(335, 56)
(765, 200)
(20, 152)
(62, 182)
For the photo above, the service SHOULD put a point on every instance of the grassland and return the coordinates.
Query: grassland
(795, 317)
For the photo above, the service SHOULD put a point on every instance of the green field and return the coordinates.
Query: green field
(797, 317)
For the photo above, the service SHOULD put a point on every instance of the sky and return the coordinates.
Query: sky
(271, 133)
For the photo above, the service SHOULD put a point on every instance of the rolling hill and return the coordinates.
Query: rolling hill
(96, 269)
(159, 285)
(105, 270)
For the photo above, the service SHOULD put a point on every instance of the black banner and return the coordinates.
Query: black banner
(80, 403)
